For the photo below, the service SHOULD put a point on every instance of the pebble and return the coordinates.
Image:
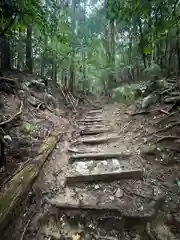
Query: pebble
(111, 198)
(119, 193)
(96, 187)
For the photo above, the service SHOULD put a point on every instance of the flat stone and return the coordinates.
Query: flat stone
(119, 193)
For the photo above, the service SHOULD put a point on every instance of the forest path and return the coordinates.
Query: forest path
(65, 187)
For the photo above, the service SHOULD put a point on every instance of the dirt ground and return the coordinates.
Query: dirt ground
(39, 220)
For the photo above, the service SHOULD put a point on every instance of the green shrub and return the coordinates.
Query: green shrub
(127, 93)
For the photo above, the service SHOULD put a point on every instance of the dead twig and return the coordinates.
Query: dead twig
(124, 128)
(26, 227)
(14, 116)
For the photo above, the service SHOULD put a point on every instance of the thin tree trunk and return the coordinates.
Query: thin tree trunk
(20, 52)
(43, 56)
(84, 53)
(142, 44)
(112, 39)
(72, 65)
(130, 49)
(29, 63)
(5, 54)
(111, 79)
(177, 35)
(54, 70)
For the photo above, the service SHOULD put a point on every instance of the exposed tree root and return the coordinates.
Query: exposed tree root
(14, 117)
(166, 128)
(147, 112)
(167, 138)
(166, 117)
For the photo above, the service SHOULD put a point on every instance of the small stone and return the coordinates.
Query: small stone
(111, 198)
(119, 193)
(96, 187)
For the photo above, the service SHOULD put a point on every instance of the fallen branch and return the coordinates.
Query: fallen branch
(91, 103)
(14, 117)
(105, 177)
(67, 98)
(26, 227)
(19, 185)
(174, 100)
(147, 112)
(138, 113)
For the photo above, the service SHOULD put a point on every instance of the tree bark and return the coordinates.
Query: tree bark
(29, 60)
(72, 65)
(19, 185)
(20, 59)
(43, 57)
(54, 70)
(5, 54)
(142, 44)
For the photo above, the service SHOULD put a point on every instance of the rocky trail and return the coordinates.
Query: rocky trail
(96, 185)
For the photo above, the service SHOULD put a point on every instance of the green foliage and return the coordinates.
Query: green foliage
(27, 128)
(141, 46)
(125, 94)
(149, 149)
(153, 71)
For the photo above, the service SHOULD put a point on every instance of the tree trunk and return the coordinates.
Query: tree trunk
(29, 64)
(130, 48)
(141, 44)
(72, 66)
(5, 54)
(12, 195)
(20, 59)
(54, 70)
(84, 53)
(112, 43)
(177, 44)
(43, 56)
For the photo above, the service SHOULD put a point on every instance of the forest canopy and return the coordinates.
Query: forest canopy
(90, 44)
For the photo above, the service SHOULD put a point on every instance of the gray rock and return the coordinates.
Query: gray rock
(149, 100)
(119, 193)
